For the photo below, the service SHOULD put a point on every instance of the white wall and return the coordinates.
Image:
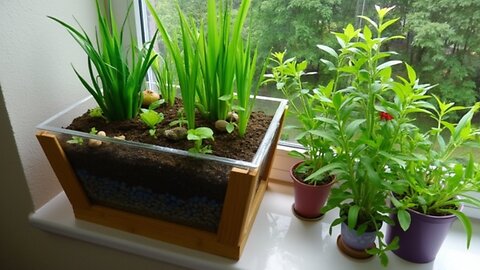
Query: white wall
(36, 81)
(36, 76)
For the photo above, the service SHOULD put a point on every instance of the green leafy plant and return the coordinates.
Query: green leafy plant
(95, 112)
(76, 140)
(181, 119)
(198, 135)
(117, 84)
(152, 118)
(353, 126)
(371, 124)
(317, 129)
(437, 182)
(230, 127)
(380, 149)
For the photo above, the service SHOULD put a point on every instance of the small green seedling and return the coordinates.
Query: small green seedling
(95, 112)
(230, 127)
(76, 140)
(181, 119)
(152, 118)
(198, 135)
(93, 131)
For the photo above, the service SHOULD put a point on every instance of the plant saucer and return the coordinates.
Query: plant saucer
(351, 252)
(305, 218)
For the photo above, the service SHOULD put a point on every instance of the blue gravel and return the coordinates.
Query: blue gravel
(196, 211)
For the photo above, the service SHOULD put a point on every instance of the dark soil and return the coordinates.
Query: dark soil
(180, 189)
(224, 145)
(302, 176)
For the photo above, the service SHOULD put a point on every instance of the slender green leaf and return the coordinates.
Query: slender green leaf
(404, 219)
(353, 211)
(328, 50)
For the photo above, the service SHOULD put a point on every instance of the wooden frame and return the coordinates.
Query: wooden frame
(244, 194)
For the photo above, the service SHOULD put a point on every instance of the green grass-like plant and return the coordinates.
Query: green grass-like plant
(116, 76)
(162, 68)
(220, 47)
(246, 65)
(185, 60)
(212, 60)
(227, 62)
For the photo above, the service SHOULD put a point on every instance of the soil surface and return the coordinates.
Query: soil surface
(224, 145)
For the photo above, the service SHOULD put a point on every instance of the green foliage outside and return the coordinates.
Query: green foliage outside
(442, 43)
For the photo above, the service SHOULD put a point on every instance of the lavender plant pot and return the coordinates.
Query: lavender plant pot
(423, 239)
(355, 241)
(309, 199)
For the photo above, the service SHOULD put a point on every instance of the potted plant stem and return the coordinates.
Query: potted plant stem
(119, 167)
(311, 177)
(436, 184)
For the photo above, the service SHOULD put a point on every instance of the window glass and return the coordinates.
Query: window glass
(440, 38)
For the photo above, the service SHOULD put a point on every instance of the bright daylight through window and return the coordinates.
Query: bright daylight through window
(441, 42)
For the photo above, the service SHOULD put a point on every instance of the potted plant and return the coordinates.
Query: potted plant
(311, 176)
(436, 184)
(125, 172)
(371, 120)
(382, 151)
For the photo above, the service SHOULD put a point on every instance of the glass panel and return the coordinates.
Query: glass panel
(270, 106)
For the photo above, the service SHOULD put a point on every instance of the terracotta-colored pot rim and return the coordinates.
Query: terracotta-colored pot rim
(292, 169)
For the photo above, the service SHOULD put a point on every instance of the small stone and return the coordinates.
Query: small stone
(149, 97)
(221, 125)
(94, 143)
(176, 134)
(102, 134)
(121, 137)
(232, 117)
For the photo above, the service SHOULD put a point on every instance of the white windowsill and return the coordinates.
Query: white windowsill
(278, 240)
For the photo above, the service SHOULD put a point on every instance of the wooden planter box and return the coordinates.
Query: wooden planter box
(246, 185)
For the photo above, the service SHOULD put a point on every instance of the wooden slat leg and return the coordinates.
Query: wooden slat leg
(63, 170)
(240, 193)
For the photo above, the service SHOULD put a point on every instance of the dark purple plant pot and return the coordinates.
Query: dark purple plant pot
(355, 241)
(309, 199)
(423, 239)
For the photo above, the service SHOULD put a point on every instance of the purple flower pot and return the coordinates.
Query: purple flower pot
(355, 241)
(309, 199)
(423, 239)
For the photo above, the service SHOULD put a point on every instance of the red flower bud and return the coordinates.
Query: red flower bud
(385, 116)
